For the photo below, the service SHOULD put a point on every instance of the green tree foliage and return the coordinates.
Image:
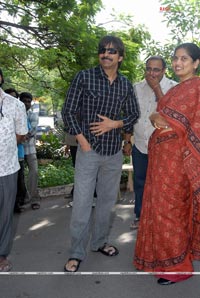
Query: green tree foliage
(183, 20)
(48, 35)
(44, 43)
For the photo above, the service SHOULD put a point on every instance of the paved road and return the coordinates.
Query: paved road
(40, 250)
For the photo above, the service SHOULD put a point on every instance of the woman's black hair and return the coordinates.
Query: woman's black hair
(192, 49)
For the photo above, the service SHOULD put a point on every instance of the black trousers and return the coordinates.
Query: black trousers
(21, 186)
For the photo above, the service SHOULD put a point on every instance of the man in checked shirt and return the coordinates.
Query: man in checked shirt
(106, 103)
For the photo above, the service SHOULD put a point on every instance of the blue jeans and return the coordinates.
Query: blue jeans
(140, 163)
(103, 172)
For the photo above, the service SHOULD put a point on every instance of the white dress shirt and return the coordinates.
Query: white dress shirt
(147, 103)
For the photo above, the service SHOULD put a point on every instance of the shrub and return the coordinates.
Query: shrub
(49, 147)
(59, 172)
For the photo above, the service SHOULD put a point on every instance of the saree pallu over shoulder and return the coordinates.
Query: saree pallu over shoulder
(169, 232)
(181, 108)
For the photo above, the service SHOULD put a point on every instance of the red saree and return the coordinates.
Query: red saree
(169, 233)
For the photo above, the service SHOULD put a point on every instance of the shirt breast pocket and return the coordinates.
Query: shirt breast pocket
(92, 94)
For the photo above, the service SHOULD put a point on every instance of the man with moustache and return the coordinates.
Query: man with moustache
(148, 91)
(108, 105)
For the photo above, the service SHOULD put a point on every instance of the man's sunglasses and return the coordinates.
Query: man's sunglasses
(111, 51)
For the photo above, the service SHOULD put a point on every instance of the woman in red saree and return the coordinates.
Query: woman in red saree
(168, 238)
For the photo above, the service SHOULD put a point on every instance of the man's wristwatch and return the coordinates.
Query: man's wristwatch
(127, 142)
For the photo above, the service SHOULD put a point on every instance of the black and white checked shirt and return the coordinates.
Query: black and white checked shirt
(91, 94)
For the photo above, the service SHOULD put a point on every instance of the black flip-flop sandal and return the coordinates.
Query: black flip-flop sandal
(35, 206)
(75, 266)
(108, 250)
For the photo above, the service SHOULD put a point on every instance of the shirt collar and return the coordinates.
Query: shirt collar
(103, 74)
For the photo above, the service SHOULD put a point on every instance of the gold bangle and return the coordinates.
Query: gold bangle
(156, 126)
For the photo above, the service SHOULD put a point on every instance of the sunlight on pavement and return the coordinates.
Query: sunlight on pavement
(43, 223)
(126, 237)
(124, 212)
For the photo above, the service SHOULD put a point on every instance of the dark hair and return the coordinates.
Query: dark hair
(192, 49)
(157, 58)
(2, 78)
(12, 90)
(25, 95)
(115, 41)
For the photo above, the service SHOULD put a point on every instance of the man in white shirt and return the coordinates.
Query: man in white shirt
(148, 92)
(13, 128)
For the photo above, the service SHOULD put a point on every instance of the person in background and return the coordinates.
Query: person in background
(21, 186)
(30, 152)
(12, 92)
(13, 128)
(168, 238)
(107, 104)
(148, 92)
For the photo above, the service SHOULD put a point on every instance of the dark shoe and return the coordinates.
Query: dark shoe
(165, 282)
(35, 206)
(135, 224)
(108, 250)
(74, 267)
(70, 204)
(5, 264)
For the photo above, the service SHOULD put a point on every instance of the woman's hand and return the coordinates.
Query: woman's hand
(158, 121)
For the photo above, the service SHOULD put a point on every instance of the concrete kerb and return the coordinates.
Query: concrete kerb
(54, 191)
(125, 197)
